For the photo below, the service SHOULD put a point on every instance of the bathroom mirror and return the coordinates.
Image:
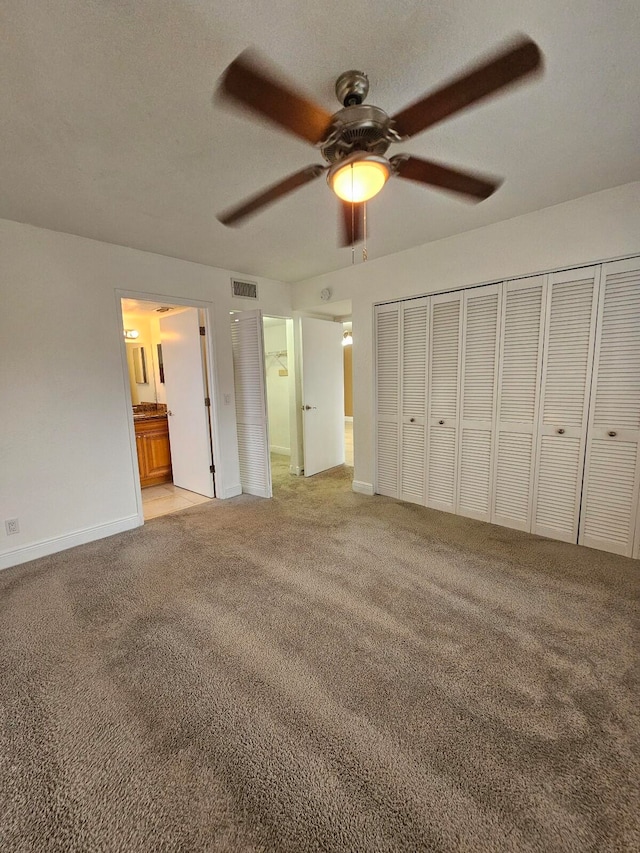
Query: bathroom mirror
(160, 364)
(140, 366)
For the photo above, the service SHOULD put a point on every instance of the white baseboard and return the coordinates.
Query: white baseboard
(69, 540)
(231, 491)
(281, 451)
(348, 419)
(362, 488)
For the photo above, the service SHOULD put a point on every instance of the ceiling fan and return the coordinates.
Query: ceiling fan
(355, 139)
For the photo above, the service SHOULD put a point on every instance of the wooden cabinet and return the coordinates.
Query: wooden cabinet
(154, 453)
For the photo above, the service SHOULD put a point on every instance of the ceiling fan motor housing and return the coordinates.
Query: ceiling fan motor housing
(361, 127)
(352, 88)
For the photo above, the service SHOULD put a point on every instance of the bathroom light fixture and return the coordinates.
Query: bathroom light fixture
(347, 339)
(359, 177)
(131, 334)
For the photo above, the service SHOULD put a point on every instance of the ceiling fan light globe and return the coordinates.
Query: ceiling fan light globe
(360, 178)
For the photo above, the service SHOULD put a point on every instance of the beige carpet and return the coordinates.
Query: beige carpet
(320, 672)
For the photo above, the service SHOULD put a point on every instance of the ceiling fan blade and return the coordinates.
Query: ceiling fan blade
(244, 81)
(352, 223)
(271, 194)
(485, 79)
(437, 175)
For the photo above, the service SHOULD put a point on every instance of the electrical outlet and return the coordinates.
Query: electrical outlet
(11, 526)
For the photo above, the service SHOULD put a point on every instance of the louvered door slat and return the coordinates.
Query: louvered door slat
(387, 459)
(566, 376)
(414, 360)
(477, 402)
(414, 333)
(387, 349)
(412, 463)
(444, 375)
(518, 394)
(387, 359)
(611, 480)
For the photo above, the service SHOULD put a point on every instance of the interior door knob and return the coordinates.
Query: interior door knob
(440, 422)
(560, 431)
(612, 433)
(412, 420)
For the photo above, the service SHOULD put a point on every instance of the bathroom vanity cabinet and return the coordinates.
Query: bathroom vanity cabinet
(154, 453)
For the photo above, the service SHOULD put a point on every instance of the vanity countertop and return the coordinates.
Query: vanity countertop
(149, 416)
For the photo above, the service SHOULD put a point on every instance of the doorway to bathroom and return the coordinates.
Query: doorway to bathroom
(167, 361)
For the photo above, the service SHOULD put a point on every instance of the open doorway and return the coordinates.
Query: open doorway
(168, 382)
(347, 349)
(278, 368)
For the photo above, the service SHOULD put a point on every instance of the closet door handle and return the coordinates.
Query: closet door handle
(612, 433)
(440, 422)
(412, 420)
(560, 431)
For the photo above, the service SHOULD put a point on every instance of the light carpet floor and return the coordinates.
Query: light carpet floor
(319, 672)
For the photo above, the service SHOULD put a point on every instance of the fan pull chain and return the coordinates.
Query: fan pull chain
(353, 223)
(364, 228)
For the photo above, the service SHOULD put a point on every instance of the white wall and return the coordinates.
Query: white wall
(597, 227)
(66, 466)
(275, 340)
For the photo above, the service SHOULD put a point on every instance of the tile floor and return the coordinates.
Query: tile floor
(348, 443)
(161, 500)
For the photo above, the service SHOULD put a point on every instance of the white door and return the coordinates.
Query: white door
(322, 394)
(188, 414)
(251, 403)
(444, 378)
(519, 370)
(571, 306)
(478, 391)
(612, 468)
(413, 368)
(387, 348)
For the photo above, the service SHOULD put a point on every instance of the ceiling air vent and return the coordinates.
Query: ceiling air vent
(245, 289)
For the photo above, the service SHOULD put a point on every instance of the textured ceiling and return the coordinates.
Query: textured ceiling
(109, 131)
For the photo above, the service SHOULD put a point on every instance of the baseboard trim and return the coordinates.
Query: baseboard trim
(231, 491)
(69, 540)
(362, 488)
(281, 451)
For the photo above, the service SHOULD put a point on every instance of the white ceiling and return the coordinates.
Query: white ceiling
(108, 128)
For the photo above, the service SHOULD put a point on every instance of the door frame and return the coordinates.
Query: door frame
(208, 312)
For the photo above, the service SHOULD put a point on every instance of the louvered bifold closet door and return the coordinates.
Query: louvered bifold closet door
(610, 494)
(414, 327)
(251, 410)
(570, 315)
(519, 371)
(387, 349)
(444, 375)
(478, 401)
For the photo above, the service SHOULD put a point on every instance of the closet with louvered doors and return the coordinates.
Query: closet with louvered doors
(443, 372)
(518, 397)
(609, 515)
(570, 309)
(387, 379)
(478, 397)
